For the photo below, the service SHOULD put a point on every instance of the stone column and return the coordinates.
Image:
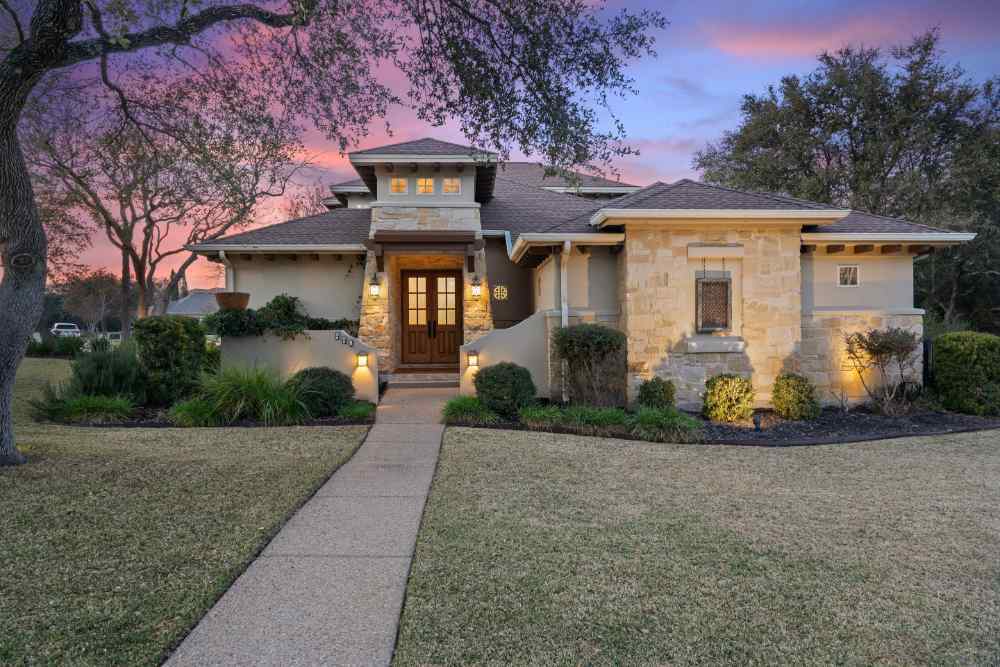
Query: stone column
(375, 329)
(477, 315)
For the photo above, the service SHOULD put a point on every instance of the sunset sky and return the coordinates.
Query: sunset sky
(711, 54)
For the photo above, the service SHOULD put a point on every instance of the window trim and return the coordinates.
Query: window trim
(458, 180)
(406, 182)
(425, 178)
(702, 277)
(857, 270)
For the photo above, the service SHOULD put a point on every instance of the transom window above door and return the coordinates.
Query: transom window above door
(397, 185)
(425, 186)
(451, 186)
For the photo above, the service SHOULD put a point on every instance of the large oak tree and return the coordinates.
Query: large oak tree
(516, 73)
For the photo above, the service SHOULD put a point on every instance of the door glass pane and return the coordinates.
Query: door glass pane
(416, 300)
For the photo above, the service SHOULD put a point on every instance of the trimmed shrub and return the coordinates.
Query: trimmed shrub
(664, 425)
(234, 323)
(595, 356)
(109, 373)
(794, 397)
(967, 372)
(323, 390)
(100, 345)
(283, 316)
(468, 410)
(172, 353)
(656, 393)
(59, 406)
(40, 348)
(194, 412)
(884, 360)
(361, 411)
(728, 398)
(505, 388)
(253, 394)
(67, 346)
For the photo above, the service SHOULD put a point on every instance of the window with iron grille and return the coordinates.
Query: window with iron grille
(714, 303)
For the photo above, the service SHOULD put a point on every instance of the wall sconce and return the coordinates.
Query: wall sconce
(362, 359)
(473, 359)
(373, 288)
(477, 288)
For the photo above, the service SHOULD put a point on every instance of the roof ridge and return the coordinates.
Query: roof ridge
(640, 194)
(769, 195)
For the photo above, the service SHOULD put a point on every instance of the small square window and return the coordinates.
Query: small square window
(397, 185)
(425, 186)
(848, 275)
(713, 304)
(451, 186)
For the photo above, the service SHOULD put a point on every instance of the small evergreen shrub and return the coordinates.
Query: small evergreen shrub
(67, 346)
(664, 425)
(884, 360)
(234, 323)
(194, 412)
(591, 420)
(253, 394)
(362, 411)
(172, 354)
(40, 348)
(541, 416)
(505, 388)
(100, 345)
(283, 316)
(794, 397)
(109, 373)
(323, 324)
(656, 393)
(58, 405)
(967, 372)
(595, 356)
(323, 390)
(728, 398)
(212, 361)
(468, 410)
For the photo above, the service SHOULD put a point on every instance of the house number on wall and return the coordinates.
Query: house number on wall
(500, 292)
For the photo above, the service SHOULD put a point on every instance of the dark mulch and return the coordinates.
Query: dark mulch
(832, 426)
(158, 418)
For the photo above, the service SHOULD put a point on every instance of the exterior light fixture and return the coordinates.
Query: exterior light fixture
(477, 288)
(373, 288)
(473, 359)
(362, 359)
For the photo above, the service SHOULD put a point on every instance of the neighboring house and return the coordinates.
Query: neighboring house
(442, 252)
(197, 304)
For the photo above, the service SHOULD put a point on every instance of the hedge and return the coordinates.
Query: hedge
(967, 372)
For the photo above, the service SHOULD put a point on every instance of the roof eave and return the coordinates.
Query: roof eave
(928, 238)
(789, 216)
(528, 239)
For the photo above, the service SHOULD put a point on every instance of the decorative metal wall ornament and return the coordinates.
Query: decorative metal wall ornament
(500, 292)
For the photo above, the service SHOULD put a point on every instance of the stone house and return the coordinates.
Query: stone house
(452, 261)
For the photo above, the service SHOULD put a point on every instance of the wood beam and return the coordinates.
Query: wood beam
(919, 249)
(807, 249)
(269, 258)
(437, 167)
(294, 258)
(413, 167)
(248, 258)
(834, 249)
(315, 257)
(863, 249)
(390, 167)
(890, 249)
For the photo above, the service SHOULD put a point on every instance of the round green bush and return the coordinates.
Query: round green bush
(967, 372)
(794, 397)
(505, 388)
(323, 390)
(109, 373)
(728, 398)
(656, 393)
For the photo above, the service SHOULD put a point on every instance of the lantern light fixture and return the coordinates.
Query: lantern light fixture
(373, 288)
(362, 359)
(477, 288)
(473, 359)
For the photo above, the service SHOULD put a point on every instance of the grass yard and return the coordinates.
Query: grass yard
(114, 542)
(554, 549)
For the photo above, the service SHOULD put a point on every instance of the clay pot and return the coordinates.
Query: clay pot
(232, 300)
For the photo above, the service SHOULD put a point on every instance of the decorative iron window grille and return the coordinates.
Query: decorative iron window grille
(714, 301)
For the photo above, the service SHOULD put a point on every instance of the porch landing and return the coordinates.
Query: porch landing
(412, 380)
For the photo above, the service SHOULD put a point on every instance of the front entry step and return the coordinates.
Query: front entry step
(412, 380)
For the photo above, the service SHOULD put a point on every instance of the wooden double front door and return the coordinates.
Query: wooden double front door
(431, 316)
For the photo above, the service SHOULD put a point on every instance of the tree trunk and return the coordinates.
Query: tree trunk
(125, 312)
(22, 289)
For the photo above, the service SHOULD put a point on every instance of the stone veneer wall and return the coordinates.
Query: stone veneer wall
(822, 355)
(429, 218)
(658, 309)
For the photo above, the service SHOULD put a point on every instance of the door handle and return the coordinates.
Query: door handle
(430, 328)
(434, 328)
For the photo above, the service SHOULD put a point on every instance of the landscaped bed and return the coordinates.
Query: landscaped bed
(553, 549)
(116, 541)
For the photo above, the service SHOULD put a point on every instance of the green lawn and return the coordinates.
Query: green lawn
(550, 549)
(114, 542)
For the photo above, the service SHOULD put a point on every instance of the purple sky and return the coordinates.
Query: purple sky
(714, 52)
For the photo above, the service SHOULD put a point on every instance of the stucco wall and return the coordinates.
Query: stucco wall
(884, 282)
(659, 307)
(522, 344)
(315, 348)
(592, 278)
(328, 287)
(467, 177)
(517, 281)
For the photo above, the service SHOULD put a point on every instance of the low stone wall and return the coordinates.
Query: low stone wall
(334, 349)
(822, 355)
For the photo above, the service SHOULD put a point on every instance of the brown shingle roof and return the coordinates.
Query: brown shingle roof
(859, 222)
(425, 146)
(519, 208)
(686, 194)
(340, 226)
(531, 173)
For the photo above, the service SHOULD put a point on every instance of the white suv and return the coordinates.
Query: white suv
(65, 330)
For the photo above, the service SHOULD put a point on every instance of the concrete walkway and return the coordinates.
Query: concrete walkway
(328, 590)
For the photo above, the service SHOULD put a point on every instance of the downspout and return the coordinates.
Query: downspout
(564, 309)
(230, 276)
